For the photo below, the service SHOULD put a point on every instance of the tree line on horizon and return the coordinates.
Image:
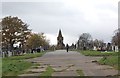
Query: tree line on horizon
(15, 31)
(86, 42)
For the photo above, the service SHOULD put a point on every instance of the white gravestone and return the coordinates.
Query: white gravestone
(9, 53)
(3, 54)
(112, 48)
(95, 48)
(116, 48)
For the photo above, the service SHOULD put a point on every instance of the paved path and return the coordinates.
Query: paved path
(66, 63)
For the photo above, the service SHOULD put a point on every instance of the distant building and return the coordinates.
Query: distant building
(60, 44)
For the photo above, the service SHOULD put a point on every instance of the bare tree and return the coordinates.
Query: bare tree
(116, 38)
(85, 41)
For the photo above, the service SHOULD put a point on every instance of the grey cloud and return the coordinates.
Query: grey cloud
(38, 8)
(49, 17)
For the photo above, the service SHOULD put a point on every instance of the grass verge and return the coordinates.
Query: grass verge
(98, 53)
(0, 67)
(110, 60)
(25, 56)
(48, 72)
(80, 72)
(15, 65)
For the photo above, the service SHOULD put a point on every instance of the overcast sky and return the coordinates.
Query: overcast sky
(73, 17)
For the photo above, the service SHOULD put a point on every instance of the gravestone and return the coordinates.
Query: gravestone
(95, 48)
(3, 54)
(9, 53)
(116, 48)
(113, 48)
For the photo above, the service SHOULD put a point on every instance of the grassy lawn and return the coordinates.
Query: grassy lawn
(109, 58)
(98, 53)
(0, 67)
(48, 72)
(25, 56)
(15, 65)
(80, 72)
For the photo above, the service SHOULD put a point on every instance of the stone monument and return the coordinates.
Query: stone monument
(60, 44)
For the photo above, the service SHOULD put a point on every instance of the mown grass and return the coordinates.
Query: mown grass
(25, 56)
(110, 60)
(98, 53)
(0, 67)
(80, 72)
(48, 72)
(15, 65)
